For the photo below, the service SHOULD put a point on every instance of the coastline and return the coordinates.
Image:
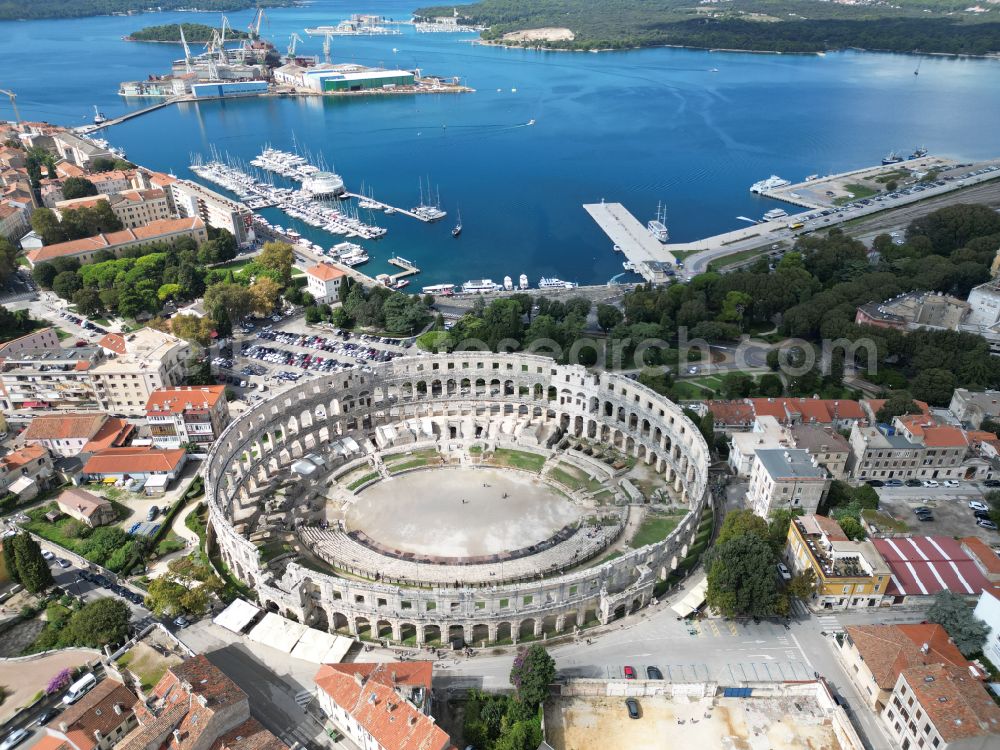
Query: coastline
(817, 53)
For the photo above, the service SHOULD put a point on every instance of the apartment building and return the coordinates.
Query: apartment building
(138, 364)
(49, 379)
(26, 471)
(988, 610)
(134, 208)
(190, 199)
(941, 707)
(765, 434)
(14, 221)
(874, 655)
(828, 447)
(161, 231)
(99, 720)
(189, 414)
(915, 446)
(972, 407)
(384, 706)
(785, 478)
(43, 338)
(848, 574)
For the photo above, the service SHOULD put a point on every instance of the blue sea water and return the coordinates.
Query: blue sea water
(636, 127)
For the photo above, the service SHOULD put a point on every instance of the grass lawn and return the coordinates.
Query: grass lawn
(655, 529)
(399, 466)
(63, 335)
(518, 459)
(742, 255)
(363, 480)
(574, 478)
(883, 521)
(686, 391)
(146, 664)
(170, 543)
(426, 455)
(60, 532)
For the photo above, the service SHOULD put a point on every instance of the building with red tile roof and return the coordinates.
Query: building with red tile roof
(875, 655)
(323, 281)
(195, 706)
(732, 415)
(98, 720)
(32, 462)
(134, 463)
(84, 250)
(382, 705)
(87, 507)
(940, 706)
(836, 413)
(188, 414)
(984, 556)
(70, 434)
(925, 565)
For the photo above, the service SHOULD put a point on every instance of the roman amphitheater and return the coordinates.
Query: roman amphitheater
(473, 497)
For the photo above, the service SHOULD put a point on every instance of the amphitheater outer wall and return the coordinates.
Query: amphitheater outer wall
(455, 390)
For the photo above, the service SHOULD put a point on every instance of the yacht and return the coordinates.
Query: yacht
(775, 213)
(658, 226)
(508, 283)
(892, 158)
(771, 183)
(401, 283)
(99, 118)
(479, 286)
(554, 283)
(522, 282)
(457, 230)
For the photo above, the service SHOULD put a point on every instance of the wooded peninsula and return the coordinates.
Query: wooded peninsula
(795, 26)
(193, 32)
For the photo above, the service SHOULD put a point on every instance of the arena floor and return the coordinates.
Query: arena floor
(458, 512)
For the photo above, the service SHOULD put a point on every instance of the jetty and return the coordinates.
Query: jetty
(382, 206)
(409, 268)
(649, 257)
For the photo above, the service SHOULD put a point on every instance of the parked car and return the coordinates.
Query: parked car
(923, 509)
(978, 505)
(183, 622)
(913, 483)
(63, 563)
(991, 483)
(925, 517)
(46, 716)
(986, 524)
(633, 708)
(875, 483)
(894, 483)
(152, 513)
(931, 483)
(653, 673)
(629, 673)
(18, 736)
(981, 514)
(950, 483)
(786, 575)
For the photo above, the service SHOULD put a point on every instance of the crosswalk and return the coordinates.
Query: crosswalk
(304, 698)
(830, 624)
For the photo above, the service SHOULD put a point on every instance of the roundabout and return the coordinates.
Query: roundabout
(473, 497)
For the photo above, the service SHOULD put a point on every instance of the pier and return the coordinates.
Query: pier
(382, 206)
(651, 259)
(129, 115)
(409, 268)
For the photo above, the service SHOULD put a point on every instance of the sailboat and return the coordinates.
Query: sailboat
(917, 71)
(99, 118)
(457, 230)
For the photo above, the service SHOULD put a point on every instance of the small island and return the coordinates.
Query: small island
(786, 26)
(171, 33)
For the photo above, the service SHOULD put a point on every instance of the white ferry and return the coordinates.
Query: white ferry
(775, 213)
(439, 290)
(555, 283)
(479, 286)
(771, 183)
(522, 282)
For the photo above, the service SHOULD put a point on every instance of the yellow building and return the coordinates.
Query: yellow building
(848, 574)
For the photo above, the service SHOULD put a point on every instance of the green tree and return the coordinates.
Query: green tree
(99, 623)
(32, 569)
(277, 257)
(897, 404)
(803, 585)
(934, 386)
(46, 224)
(531, 674)
(608, 316)
(522, 735)
(234, 302)
(78, 187)
(952, 613)
(66, 284)
(10, 559)
(852, 528)
(741, 579)
(87, 301)
(739, 523)
(770, 385)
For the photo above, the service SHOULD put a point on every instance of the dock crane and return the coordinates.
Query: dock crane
(326, 47)
(292, 41)
(254, 27)
(187, 50)
(13, 103)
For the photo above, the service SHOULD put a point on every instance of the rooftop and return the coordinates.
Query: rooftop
(925, 565)
(790, 463)
(138, 460)
(889, 649)
(819, 439)
(838, 556)
(69, 426)
(187, 398)
(103, 709)
(956, 703)
(85, 503)
(324, 272)
(151, 231)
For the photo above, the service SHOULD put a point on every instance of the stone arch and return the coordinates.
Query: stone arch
(383, 629)
(480, 634)
(619, 612)
(504, 632)
(456, 633)
(526, 628)
(549, 624)
(432, 634)
(270, 606)
(340, 622)
(570, 621)
(319, 619)
(636, 604)
(408, 633)
(363, 627)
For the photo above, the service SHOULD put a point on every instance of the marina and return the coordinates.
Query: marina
(298, 204)
(409, 268)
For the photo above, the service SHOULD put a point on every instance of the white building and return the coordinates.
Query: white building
(189, 414)
(137, 364)
(786, 478)
(323, 282)
(191, 199)
(988, 610)
(765, 433)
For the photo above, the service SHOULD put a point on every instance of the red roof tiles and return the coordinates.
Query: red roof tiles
(133, 460)
(889, 649)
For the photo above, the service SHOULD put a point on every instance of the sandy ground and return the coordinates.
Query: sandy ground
(551, 34)
(25, 678)
(424, 512)
(757, 724)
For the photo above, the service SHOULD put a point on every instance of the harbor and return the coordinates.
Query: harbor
(644, 253)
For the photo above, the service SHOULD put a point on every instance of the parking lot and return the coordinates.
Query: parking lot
(949, 508)
(280, 353)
